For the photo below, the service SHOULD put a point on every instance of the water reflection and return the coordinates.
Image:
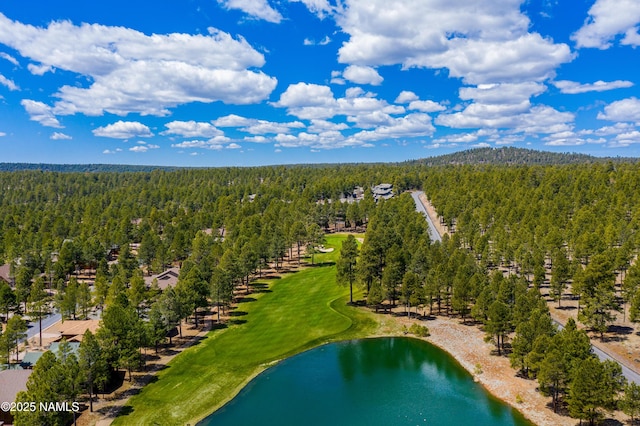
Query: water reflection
(391, 381)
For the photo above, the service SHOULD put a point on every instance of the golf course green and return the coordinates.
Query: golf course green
(280, 318)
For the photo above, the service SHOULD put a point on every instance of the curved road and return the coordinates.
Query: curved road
(631, 375)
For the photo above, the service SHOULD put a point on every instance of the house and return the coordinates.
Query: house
(30, 359)
(382, 191)
(72, 330)
(11, 382)
(74, 346)
(168, 278)
(5, 273)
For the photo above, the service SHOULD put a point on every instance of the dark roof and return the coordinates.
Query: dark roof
(168, 278)
(12, 382)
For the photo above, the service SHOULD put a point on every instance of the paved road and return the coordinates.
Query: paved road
(433, 232)
(631, 375)
(47, 321)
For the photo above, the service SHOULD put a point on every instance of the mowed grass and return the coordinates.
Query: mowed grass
(302, 310)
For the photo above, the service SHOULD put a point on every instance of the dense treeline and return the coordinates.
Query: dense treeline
(580, 221)
(511, 228)
(221, 226)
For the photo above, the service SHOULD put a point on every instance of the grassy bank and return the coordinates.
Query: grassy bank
(283, 317)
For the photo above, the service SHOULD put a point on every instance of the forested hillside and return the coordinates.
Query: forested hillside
(495, 156)
(516, 156)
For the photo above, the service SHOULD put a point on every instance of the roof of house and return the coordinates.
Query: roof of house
(55, 346)
(31, 358)
(12, 382)
(73, 328)
(5, 271)
(168, 278)
(384, 190)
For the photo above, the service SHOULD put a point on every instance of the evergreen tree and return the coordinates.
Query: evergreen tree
(39, 304)
(46, 384)
(630, 403)
(594, 386)
(15, 331)
(375, 296)
(346, 265)
(93, 367)
(553, 375)
(560, 273)
(596, 312)
(7, 299)
(497, 325)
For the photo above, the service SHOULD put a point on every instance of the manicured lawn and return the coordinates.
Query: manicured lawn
(301, 311)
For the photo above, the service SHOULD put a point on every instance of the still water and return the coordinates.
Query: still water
(384, 381)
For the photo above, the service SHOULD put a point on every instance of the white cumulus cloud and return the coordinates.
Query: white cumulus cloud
(131, 72)
(406, 96)
(625, 110)
(362, 75)
(123, 130)
(480, 42)
(39, 69)
(58, 136)
(192, 129)
(258, 9)
(215, 144)
(40, 112)
(426, 106)
(319, 7)
(608, 19)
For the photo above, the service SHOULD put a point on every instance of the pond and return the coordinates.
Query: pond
(382, 381)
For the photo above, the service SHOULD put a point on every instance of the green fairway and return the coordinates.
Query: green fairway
(303, 310)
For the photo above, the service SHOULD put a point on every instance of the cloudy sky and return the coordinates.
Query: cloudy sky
(246, 82)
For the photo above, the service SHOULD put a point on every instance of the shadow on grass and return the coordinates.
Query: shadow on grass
(245, 299)
(237, 321)
(237, 314)
(258, 287)
(125, 411)
(270, 277)
(219, 326)
(320, 264)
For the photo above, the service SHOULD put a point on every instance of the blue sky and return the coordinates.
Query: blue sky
(250, 82)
